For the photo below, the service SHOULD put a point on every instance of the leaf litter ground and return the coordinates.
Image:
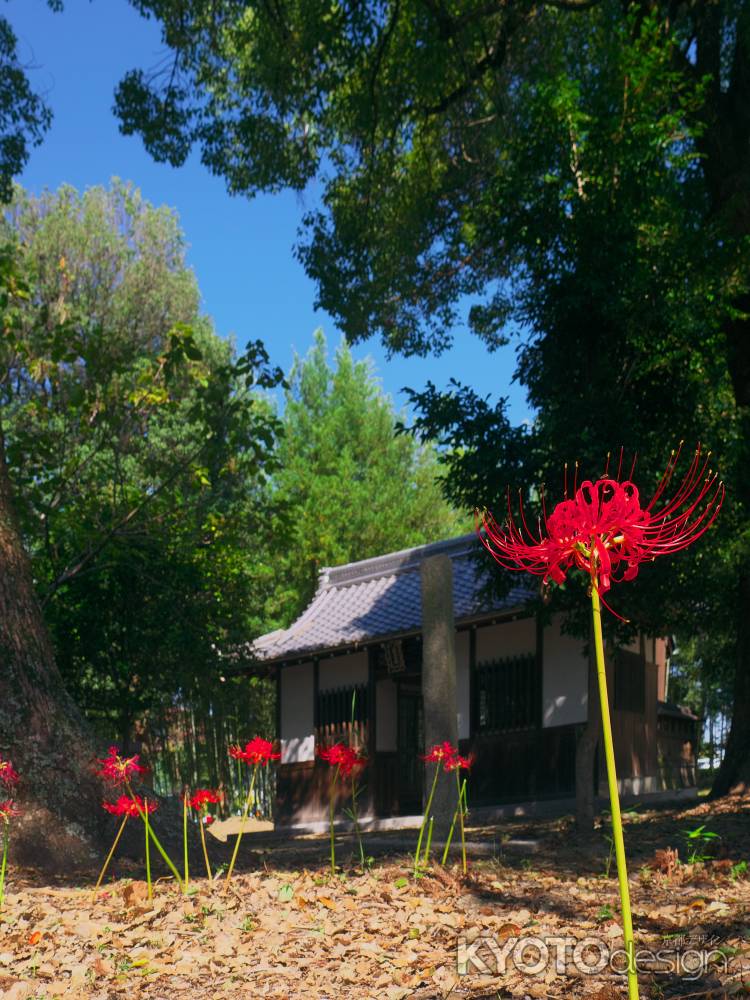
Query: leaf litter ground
(286, 929)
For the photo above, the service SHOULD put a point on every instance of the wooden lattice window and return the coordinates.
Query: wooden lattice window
(343, 715)
(509, 694)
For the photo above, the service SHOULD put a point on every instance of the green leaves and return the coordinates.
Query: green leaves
(138, 452)
(338, 428)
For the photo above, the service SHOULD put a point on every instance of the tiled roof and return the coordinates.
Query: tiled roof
(381, 598)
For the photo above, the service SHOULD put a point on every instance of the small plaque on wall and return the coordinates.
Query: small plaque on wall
(394, 657)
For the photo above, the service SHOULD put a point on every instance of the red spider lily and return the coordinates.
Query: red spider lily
(345, 758)
(257, 751)
(202, 797)
(125, 806)
(8, 811)
(459, 763)
(440, 752)
(117, 769)
(8, 776)
(604, 530)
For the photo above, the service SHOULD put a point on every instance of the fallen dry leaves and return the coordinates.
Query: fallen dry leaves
(298, 933)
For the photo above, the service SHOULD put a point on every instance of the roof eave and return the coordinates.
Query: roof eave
(257, 667)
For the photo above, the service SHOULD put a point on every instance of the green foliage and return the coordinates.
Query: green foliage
(349, 487)
(698, 841)
(551, 168)
(24, 117)
(140, 449)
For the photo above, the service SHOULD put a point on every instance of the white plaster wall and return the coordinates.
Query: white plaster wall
(386, 726)
(496, 642)
(564, 678)
(463, 704)
(297, 718)
(342, 671)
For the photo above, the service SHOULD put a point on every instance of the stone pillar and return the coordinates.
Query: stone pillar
(439, 679)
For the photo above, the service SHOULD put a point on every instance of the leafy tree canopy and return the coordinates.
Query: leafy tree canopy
(24, 117)
(457, 141)
(139, 449)
(350, 488)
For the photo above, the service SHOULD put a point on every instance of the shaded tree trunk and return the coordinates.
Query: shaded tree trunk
(725, 148)
(41, 729)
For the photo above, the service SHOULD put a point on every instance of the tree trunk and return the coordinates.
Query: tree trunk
(725, 147)
(41, 729)
(734, 771)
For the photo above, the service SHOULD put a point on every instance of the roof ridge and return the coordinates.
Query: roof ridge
(393, 562)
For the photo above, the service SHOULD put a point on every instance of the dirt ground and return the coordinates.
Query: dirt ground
(537, 916)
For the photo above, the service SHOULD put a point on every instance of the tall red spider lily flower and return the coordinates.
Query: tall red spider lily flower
(257, 751)
(118, 769)
(202, 797)
(440, 752)
(345, 761)
(125, 806)
(606, 533)
(459, 763)
(344, 757)
(8, 777)
(129, 807)
(8, 812)
(456, 764)
(200, 800)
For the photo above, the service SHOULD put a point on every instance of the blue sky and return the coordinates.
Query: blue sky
(241, 250)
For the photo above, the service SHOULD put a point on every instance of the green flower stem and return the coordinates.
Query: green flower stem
(201, 824)
(4, 863)
(614, 798)
(185, 840)
(431, 796)
(355, 819)
(426, 860)
(461, 819)
(148, 850)
(111, 852)
(154, 838)
(246, 810)
(331, 812)
(461, 805)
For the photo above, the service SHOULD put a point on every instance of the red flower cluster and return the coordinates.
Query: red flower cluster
(446, 754)
(345, 758)
(459, 763)
(125, 806)
(8, 776)
(257, 751)
(117, 769)
(604, 530)
(8, 811)
(441, 751)
(202, 797)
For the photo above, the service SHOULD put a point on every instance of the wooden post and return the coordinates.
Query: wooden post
(439, 677)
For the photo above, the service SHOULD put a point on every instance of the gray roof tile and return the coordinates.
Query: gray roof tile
(381, 597)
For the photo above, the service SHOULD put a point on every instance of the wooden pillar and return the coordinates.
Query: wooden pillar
(439, 677)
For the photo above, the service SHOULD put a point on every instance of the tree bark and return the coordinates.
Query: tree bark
(41, 729)
(725, 147)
